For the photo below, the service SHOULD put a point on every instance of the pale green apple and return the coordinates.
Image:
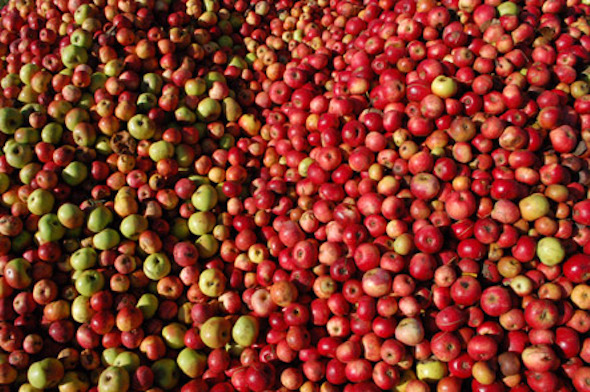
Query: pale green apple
(109, 355)
(50, 229)
(534, 207)
(73, 55)
(52, 132)
(99, 218)
(141, 127)
(216, 332)
(70, 215)
(201, 222)
(212, 282)
(81, 38)
(74, 382)
(204, 198)
(83, 259)
(46, 373)
(114, 379)
(81, 310)
(106, 239)
(148, 304)
(207, 245)
(161, 150)
(157, 266)
(444, 86)
(191, 362)
(550, 251)
(127, 360)
(173, 335)
(89, 282)
(245, 330)
(431, 370)
(133, 225)
(10, 120)
(74, 173)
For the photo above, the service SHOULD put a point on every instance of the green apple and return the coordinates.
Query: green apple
(82, 13)
(51, 133)
(17, 155)
(245, 330)
(204, 198)
(106, 239)
(201, 222)
(74, 382)
(148, 304)
(83, 259)
(179, 229)
(507, 8)
(550, 251)
(430, 370)
(40, 202)
(212, 282)
(196, 86)
(113, 379)
(97, 81)
(157, 266)
(146, 102)
(74, 173)
(184, 155)
(133, 225)
(114, 67)
(214, 76)
(216, 332)
(70, 215)
(81, 38)
(89, 282)
(17, 272)
(109, 355)
(534, 207)
(27, 71)
(191, 362)
(443, 86)
(185, 115)
(208, 110)
(166, 373)
(141, 127)
(127, 360)
(50, 229)
(4, 182)
(173, 335)
(99, 218)
(26, 387)
(46, 373)
(161, 150)
(73, 55)
(81, 310)
(151, 83)
(207, 246)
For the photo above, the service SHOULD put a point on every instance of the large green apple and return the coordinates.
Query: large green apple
(191, 362)
(83, 259)
(50, 229)
(173, 335)
(81, 38)
(52, 132)
(73, 55)
(81, 310)
(201, 222)
(133, 225)
(550, 251)
(534, 207)
(99, 218)
(127, 360)
(166, 373)
(431, 370)
(141, 127)
(245, 330)
(40, 202)
(46, 373)
(10, 120)
(204, 198)
(161, 150)
(70, 215)
(157, 266)
(89, 282)
(208, 110)
(212, 282)
(216, 332)
(113, 379)
(109, 355)
(106, 239)
(17, 155)
(148, 304)
(75, 173)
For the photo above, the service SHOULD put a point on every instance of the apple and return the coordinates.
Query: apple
(47, 373)
(216, 332)
(550, 251)
(444, 86)
(245, 330)
(191, 362)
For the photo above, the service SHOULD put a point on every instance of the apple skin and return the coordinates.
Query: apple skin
(216, 332)
(245, 330)
(191, 362)
(46, 373)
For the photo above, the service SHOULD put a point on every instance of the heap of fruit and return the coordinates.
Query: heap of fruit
(313, 196)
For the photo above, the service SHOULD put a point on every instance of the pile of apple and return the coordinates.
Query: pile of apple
(313, 196)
